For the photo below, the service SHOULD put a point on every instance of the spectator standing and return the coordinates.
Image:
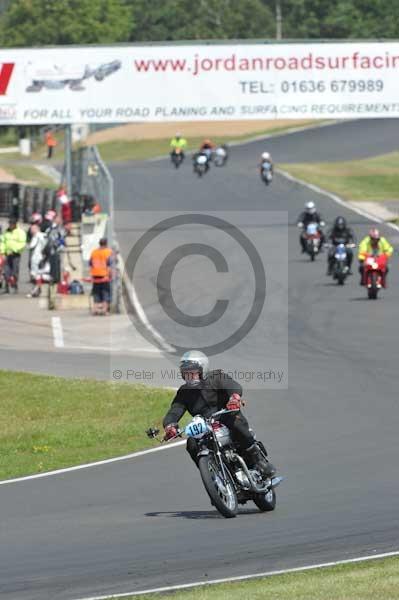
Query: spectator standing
(12, 244)
(39, 266)
(101, 274)
(66, 209)
(51, 143)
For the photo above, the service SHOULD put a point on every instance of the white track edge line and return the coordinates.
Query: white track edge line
(58, 334)
(337, 199)
(140, 310)
(93, 464)
(184, 586)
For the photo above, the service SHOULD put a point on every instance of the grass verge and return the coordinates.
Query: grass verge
(122, 150)
(373, 179)
(29, 173)
(49, 423)
(368, 580)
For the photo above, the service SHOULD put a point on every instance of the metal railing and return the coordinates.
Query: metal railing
(92, 183)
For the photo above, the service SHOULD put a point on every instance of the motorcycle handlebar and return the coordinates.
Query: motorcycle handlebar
(224, 411)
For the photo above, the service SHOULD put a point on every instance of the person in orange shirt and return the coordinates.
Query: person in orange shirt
(51, 143)
(101, 274)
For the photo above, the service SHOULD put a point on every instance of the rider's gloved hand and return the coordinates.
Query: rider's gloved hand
(170, 431)
(234, 402)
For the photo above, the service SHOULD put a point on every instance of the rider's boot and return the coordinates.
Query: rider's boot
(255, 458)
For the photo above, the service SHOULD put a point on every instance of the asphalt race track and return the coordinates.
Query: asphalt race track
(147, 522)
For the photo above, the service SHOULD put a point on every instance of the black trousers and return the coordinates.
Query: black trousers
(12, 266)
(239, 429)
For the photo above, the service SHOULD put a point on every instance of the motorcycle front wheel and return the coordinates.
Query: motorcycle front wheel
(373, 290)
(222, 493)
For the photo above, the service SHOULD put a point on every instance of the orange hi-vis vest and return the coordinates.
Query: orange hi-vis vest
(99, 263)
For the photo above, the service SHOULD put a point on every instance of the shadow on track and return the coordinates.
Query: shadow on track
(197, 514)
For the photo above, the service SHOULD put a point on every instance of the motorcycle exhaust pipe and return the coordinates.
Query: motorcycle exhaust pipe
(254, 487)
(276, 481)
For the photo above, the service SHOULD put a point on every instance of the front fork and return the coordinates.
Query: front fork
(205, 451)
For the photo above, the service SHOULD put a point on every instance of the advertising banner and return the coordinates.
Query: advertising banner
(100, 84)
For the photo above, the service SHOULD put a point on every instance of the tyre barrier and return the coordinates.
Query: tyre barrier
(21, 201)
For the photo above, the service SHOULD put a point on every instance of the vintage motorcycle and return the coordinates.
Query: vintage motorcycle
(201, 164)
(312, 237)
(220, 156)
(340, 268)
(374, 274)
(266, 172)
(177, 157)
(225, 475)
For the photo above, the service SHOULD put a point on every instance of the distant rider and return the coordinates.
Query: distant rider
(206, 149)
(266, 157)
(310, 215)
(205, 392)
(340, 233)
(178, 143)
(373, 244)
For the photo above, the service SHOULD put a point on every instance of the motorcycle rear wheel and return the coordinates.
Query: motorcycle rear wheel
(223, 496)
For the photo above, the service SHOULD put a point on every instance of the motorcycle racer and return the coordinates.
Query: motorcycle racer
(310, 215)
(178, 143)
(203, 393)
(374, 244)
(340, 232)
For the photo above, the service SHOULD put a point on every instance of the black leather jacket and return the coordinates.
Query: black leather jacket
(335, 236)
(211, 395)
(307, 218)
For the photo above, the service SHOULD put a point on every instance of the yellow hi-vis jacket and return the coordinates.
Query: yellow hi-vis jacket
(365, 247)
(13, 241)
(181, 143)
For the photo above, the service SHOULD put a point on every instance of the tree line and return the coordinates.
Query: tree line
(48, 22)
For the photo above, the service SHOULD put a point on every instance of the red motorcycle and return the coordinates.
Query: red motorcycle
(312, 237)
(374, 274)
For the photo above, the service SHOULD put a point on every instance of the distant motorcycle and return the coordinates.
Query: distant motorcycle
(177, 157)
(201, 164)
(220, 156)
(225, 475)
(312, 237)
(374, 274)
(340, 268)
(266, 172)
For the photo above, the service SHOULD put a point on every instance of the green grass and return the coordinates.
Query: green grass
(48, 423)
(376, 580)
(29, 173)
(143, 149)
(372, 179)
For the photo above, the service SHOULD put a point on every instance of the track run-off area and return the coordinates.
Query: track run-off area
(147, 523)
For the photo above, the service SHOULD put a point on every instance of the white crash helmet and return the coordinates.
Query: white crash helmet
(266, 155)
(194, 360)
(310, 208)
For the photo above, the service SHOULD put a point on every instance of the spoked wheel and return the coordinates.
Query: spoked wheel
(221, 492)
(266, 502)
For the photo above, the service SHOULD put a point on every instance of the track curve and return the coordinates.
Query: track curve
(147, 523)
